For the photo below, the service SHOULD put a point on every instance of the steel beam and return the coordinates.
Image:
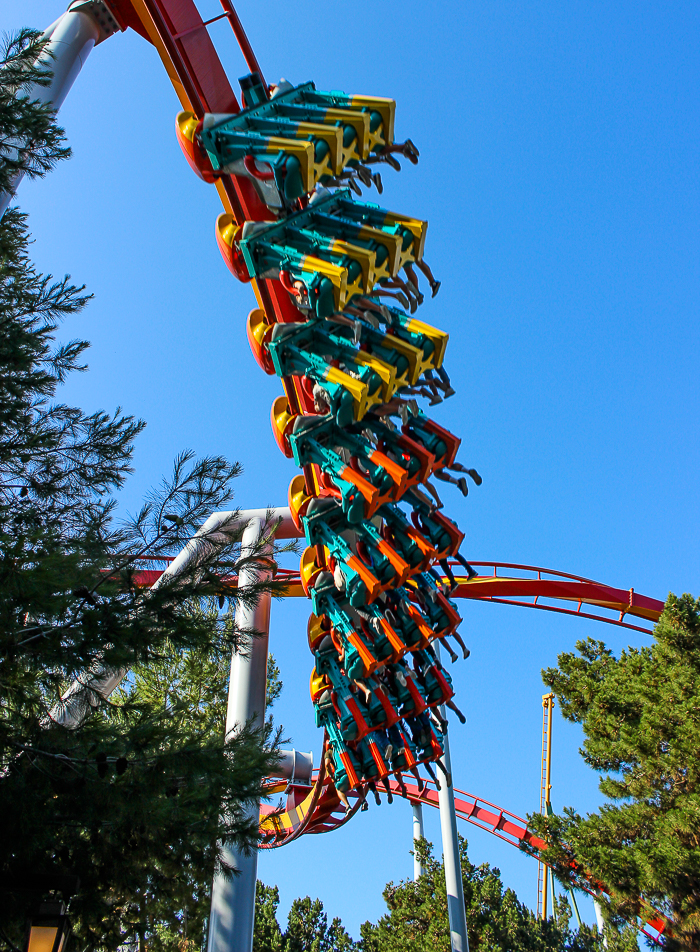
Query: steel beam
(456, 909)
(418, 834)
(233, 898)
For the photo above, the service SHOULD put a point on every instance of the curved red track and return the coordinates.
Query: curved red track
(528, 586)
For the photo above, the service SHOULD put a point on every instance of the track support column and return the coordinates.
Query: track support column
(457, 912)
(233, 900)
(69, 42)
(418, 834)
(450, 855)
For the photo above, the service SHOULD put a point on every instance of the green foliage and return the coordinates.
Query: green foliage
(417, 920)
(22, 119)
(130, 793)
(307, 926)
(267, 935)
(274, 682)
(640, 715)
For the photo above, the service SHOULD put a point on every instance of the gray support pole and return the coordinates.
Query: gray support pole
(600, 921)
(417, 835)
(71, 38)
(233, 900)
(450, 855)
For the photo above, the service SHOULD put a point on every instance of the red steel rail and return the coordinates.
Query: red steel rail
(531, 587)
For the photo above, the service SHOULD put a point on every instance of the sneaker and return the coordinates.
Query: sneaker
(377, 179)
(388, 755)
(463, 488)
(393, 162)
(435, 287)
(411, 147)
(365, 806)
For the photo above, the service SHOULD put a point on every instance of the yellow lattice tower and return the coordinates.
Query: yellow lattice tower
(545, 797)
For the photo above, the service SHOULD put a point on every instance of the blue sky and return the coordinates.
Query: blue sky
(559, 174)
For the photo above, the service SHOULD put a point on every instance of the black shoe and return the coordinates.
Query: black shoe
(364, 175)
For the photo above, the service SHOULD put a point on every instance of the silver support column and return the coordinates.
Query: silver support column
(450, 855)
(233, 900)
(417, 835)
(71, 38)
(600, 921)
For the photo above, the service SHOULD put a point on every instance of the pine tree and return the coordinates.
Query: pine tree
(307, 926)
(418, 921)
(267, 935)
(128, 800)
(171, 914)
(31, 142)
(640, 715)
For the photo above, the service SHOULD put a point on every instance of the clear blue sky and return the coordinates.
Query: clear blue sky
(559, 174)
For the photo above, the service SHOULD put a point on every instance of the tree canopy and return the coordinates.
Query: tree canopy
(417, 918)
(640, 715)
(307, 926)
